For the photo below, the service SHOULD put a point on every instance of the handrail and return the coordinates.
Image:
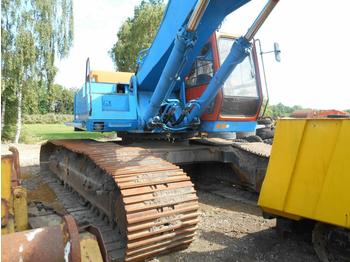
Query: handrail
(88, 81)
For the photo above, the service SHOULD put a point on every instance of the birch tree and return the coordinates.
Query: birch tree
(34, 34)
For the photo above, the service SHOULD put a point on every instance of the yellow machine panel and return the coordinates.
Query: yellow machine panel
(7, 221)
(111, 77)
(14, 211)
(308, 175)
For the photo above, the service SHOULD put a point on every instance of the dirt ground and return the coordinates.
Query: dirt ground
(231, 227)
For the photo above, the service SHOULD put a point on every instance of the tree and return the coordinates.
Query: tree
(62, 100)
(281, 110)
(34, 33)
(67, 100)
(136, 34)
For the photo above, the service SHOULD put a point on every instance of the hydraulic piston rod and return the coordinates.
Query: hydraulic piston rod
(197, 15)
(260, 19)
(184, 41)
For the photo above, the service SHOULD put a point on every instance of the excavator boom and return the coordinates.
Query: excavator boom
(176, 16)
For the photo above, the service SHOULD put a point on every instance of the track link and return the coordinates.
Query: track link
(151, 202)
(86, 214)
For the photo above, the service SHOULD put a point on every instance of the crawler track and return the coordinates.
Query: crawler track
(87, 214)
(150, 202)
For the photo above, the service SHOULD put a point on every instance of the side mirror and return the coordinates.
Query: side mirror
(277, 51)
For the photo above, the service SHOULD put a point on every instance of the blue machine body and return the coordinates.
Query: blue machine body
(154, 100)
(99, 106)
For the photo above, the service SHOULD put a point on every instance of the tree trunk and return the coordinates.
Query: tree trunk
(3, 107)
(19, 116)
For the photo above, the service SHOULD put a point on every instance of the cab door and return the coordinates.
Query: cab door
(241, 97)
(241, 94)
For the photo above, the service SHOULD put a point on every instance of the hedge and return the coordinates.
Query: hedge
(50, 118)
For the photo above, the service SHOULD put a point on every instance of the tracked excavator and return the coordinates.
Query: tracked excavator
(193, 89)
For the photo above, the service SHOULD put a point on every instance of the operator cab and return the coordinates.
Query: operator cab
(241, 97)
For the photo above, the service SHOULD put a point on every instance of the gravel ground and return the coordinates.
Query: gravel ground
(230, 228)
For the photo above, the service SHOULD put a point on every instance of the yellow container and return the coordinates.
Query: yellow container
(308, 175)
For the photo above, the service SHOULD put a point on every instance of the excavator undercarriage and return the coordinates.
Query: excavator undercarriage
(143, 204)
(151, 202)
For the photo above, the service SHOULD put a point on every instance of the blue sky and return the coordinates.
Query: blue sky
(313, 36)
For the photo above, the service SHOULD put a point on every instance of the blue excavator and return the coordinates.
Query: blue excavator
(193, 88)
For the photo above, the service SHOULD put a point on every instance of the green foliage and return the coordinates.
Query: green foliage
(47, 119)
(27, 137)
(9, 130)
(34, 33)
(280, 110)
(61, 100)
(35, 98)
(136, 34)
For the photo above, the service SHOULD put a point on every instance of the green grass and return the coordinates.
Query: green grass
(35, 133)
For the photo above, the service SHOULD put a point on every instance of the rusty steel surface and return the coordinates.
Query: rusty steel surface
(16, 175)
(72, 234)
(86, 215)
(151, 201)
(41, 244)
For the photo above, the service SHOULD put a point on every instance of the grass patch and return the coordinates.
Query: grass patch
(35, 133)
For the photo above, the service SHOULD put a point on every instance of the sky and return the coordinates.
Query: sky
(312, 35)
